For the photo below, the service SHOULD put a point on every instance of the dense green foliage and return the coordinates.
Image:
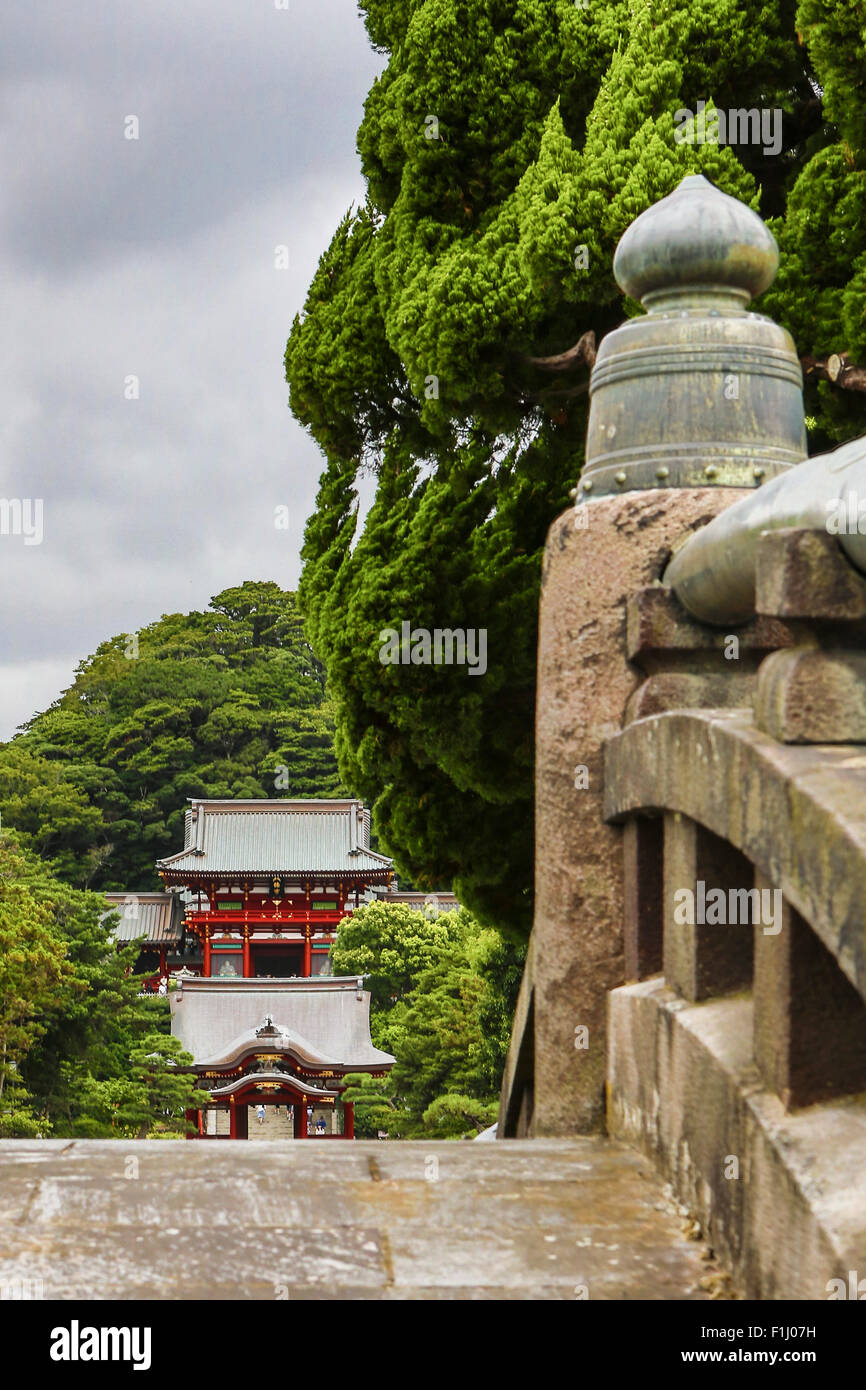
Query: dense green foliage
(442, 994)
(229, 702)
(502, 136)
(820, 291)
(80, 1053)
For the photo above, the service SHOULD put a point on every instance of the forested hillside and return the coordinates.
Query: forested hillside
(226, 702)
(80, 1052)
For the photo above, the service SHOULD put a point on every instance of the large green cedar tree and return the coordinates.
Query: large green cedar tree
(502, 137)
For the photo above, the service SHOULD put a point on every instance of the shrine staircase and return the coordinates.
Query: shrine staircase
(277, 1123)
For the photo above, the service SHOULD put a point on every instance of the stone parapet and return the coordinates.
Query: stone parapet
(597, 556)
(780, 1197)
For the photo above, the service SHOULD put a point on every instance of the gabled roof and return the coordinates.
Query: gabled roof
(284, 1042)
(440, 901)
(323, 1021)
(158, 917)
(285, 838)
(241, 1083)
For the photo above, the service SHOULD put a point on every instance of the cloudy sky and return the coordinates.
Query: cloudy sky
(155, 258)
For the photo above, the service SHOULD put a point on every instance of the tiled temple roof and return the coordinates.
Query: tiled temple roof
(324, 1021)
(158, 917)
(285, 838)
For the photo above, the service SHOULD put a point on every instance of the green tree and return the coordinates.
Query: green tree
(225, 703)
(102, 1106)
(376, 1107)
(153, 1094)
(820, 291)
(459, 1117)
(70, 1013)
(51, 815)
(442, 991)
(33, 969)
(162, 1091)
(390, 944)
(506, 147)
(18, 1116)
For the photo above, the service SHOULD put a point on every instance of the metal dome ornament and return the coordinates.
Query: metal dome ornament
(699, 391)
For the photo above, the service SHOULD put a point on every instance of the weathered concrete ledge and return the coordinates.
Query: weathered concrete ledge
(781, 1197)
(560, 1219)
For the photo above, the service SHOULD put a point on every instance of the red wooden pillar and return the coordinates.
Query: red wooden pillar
(242, 1122)
(247, 972)
(301, 1127)
(348, 1119)
(308, 954)
(206, 964)
(233, 1118)
(200, 1125)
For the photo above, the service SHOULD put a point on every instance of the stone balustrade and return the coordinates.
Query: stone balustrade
(696, 976)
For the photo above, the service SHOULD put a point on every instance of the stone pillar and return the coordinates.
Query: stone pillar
(585, 682)
(810, 1021)
(704, 958)
(643, 849)
(691, 405)
(300, 1127)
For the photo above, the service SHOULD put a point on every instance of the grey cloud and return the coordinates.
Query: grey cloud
(157, 260)
(233, 101)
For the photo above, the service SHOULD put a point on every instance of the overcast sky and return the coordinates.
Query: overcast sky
(155, 258)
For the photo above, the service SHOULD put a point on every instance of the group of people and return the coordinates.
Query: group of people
(152, 987)
(321, 1127)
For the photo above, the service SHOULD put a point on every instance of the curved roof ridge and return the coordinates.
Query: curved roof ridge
(283, 1039)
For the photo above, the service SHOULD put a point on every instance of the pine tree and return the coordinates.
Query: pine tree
(444, 346)
(443, 990)
(820, 291)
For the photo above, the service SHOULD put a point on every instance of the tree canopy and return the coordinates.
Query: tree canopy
(80, 1052)
(442, 990)
(506, 147)
(229, 702)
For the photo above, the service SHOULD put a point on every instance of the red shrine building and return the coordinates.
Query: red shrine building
(267, 882)
(250, 911)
